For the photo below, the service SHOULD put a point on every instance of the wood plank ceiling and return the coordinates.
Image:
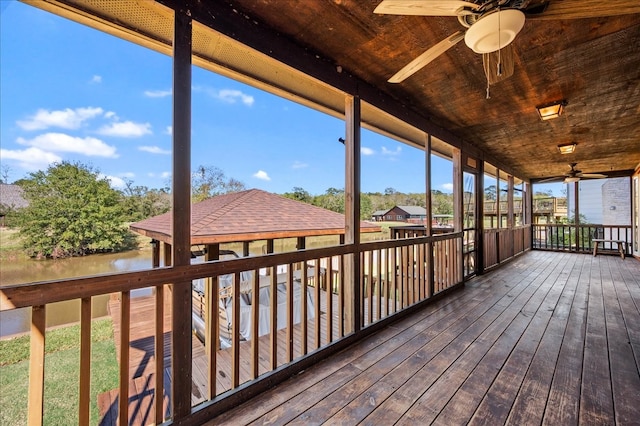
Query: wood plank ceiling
(593, 63)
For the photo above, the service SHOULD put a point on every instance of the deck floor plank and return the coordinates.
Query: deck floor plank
(550, 337)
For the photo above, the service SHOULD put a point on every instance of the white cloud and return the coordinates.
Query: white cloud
(110, 114)
(157, 93)
(30, 158)
(163, 175)
(60, 142)
(388, 152)
(154, 150)
(128, 174)
(299, 165)
(126, 129)
(96, 79)
(366, 151)
(261, 174)
(230, 96)
(169, 130)
(115, 181)
(447, 187)
(66, 119)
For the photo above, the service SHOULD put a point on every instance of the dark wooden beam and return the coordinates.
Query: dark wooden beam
(181, 294)
(239, 25)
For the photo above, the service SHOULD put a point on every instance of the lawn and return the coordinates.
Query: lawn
(62, 362)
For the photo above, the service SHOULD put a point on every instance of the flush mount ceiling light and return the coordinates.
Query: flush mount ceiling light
(551, 110)
(567, 148)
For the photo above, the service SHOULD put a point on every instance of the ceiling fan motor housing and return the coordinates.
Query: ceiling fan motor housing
(494, 31)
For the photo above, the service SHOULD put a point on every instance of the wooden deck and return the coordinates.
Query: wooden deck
(551, 338)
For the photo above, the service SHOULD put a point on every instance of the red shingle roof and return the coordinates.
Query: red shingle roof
(250, 215)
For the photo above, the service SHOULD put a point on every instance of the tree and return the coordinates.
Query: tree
(209, 181)
(72, 212)
(141, 202)
(299, 194)
(332, 199)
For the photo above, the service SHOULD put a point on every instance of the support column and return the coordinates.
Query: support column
(428, 225)
(181, 368)
(352, 300)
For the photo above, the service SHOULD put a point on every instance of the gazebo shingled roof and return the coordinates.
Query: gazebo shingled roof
(247, 216)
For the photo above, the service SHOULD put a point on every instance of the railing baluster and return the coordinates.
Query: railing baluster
(273, 320)
(125, 329)
(85, 360)
(303, 310)
(36, 365)
(158, 399)
(317, 327)
(235, 337)
(341, 296)
(255, 315)
(329, 283)
(290, 290)
(368, 281)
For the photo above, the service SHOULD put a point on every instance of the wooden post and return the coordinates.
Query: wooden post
(125, 331)
(181, 368)
(456, 263)
(479, 237)
(576, 221)
(352, 214)
(428, 225)
(510, 210)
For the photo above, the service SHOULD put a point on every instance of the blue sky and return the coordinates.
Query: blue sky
(72, 93)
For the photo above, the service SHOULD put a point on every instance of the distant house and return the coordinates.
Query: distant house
(409, 214)
(378, 215)
(11, 198)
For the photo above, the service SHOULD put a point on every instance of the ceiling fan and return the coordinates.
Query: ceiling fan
(573, 175)
(492, 25)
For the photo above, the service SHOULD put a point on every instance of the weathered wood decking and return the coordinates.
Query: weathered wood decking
(550, 338)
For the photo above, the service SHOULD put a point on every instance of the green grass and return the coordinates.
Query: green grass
(62, 364)
(11, 245)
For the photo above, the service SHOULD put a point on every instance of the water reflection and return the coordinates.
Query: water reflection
(28, 271)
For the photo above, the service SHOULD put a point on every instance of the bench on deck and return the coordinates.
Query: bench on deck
(622, 245)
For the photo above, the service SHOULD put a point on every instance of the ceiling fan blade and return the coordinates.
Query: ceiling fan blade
(579, 9)
(428, 56)
(551, 179)
(423, 7)
(593, 175)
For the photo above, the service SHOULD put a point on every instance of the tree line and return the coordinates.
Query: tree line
(74, 211)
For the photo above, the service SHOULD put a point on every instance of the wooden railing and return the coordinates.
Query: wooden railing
(306, 303)
(502, 244)
(577, 238)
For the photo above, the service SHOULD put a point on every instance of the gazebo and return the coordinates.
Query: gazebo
(247, 216)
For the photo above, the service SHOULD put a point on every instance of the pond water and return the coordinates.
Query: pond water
(27, 271)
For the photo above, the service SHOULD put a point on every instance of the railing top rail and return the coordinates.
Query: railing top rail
(45, 292)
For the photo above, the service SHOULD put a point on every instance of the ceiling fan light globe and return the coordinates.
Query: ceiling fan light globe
(484, 36)
(571, 179)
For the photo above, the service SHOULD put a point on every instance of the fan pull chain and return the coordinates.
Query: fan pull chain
(488, 86)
